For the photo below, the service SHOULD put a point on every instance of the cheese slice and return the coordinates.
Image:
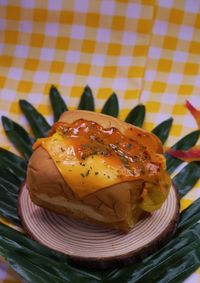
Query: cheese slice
(83, 176)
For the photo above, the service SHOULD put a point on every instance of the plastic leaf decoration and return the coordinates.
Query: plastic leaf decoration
(195, 113)
(192, 154)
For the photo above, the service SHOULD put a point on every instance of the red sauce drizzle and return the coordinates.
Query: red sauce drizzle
(89, 138)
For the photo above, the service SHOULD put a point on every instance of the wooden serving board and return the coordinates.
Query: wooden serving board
(94, 246)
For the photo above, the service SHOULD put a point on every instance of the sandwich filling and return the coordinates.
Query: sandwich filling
(91, 158)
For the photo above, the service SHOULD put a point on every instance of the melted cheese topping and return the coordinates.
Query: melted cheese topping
(91, 158)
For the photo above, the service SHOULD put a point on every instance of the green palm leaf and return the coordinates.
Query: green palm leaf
(189, 216)
(189, 264)
(10, 178)
(187, 178)
(37, 263)
(14, 163)
(18, 136)
(9, 189)
(8, 211)
(38, 123)
(87, 100)
(57, 103)
(189, 254)
(163, 129)
(111, 107)
(136, 116)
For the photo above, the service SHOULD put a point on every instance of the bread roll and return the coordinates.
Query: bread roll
(97, 168)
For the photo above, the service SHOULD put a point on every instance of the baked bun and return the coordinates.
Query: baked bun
(98, 168)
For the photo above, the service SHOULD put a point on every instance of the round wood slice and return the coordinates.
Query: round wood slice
(94, 246)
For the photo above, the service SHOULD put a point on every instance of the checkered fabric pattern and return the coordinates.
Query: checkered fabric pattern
(146, 51)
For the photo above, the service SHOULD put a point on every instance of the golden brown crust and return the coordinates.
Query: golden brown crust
(115, 202)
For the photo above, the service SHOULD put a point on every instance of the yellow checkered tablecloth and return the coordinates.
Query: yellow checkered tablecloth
(146, 51)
